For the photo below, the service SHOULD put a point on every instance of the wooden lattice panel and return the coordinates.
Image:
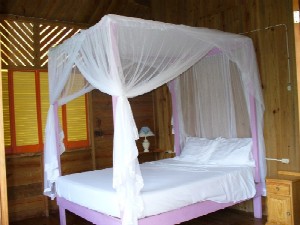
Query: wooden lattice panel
(17, 44)
(25, 44)
(50, 36)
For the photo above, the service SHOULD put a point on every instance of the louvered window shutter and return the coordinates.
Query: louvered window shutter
(6, 114)
(25, 109)
(76, 120)
(24, 119)
(44, 90)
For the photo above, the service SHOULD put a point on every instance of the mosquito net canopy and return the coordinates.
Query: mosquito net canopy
(126, 57)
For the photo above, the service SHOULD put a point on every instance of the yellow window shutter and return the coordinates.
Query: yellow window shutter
(6, 114)
(25, 108)
(44, 90)
(76, 119)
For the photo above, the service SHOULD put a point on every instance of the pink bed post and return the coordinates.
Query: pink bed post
(62, 211)
(57, 135)
(175, 118)
(257, 204)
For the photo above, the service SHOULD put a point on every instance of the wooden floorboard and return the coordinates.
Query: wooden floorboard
(222, 217)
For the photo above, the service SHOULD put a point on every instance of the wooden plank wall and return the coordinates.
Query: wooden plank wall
(103, 123)
(163, 116)
(25, 182)
(143, 112)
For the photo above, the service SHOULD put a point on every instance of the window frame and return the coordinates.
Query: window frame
(35, 148)
(13, 148)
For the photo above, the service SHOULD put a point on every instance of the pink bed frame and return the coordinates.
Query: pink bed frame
(182, 214)
(168, 218)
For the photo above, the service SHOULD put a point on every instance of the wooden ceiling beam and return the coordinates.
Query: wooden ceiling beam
(99, 11)
(81, 12)
(44, 21)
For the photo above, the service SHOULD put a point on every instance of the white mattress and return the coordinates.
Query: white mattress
(168, 184)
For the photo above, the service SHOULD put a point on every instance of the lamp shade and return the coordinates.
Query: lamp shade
(145, 132)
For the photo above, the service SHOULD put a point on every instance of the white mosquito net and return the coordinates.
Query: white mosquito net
(213, 100)
(126, 57)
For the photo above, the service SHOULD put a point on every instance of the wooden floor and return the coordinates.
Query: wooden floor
(222, 217)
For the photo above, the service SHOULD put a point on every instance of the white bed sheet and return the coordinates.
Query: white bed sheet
(169, 184)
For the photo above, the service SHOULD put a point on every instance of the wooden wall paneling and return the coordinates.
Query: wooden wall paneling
(25, 183)
(36, 45)
(142, 108)
(28, 207)
(158, 10)
(104, 153)
(23, 170)
(210, 13)
(287, 148)
(295, 165)
(26, 201)
(296, 6)
(76, 161)
(271, 84)
(45, 198)
(25, 186)
(172, 12)
(193, 8)
(143, 112)
(138, 10)
(163, 116)
(281, 112)
(102, 112)
(113, 6)
(198, 18)
(281, 117)
(212, 21)
(250, 17)
(103, 124)
(190, 8)
(3, 182)
(235, 18)
(94, 15)
(91, 130)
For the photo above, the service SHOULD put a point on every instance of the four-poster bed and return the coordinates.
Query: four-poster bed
(126, 57)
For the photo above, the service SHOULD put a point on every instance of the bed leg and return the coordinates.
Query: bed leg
(62, 216)
(257, 207)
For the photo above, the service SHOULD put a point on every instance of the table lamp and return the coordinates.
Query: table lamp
(146, 132)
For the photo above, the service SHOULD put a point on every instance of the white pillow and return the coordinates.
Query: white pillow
(233, 151)
(197, 149)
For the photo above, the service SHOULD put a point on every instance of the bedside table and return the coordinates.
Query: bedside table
(283, 200)
(154, 155)
(146, 157)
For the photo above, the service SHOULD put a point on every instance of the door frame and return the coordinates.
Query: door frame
(3, 183)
